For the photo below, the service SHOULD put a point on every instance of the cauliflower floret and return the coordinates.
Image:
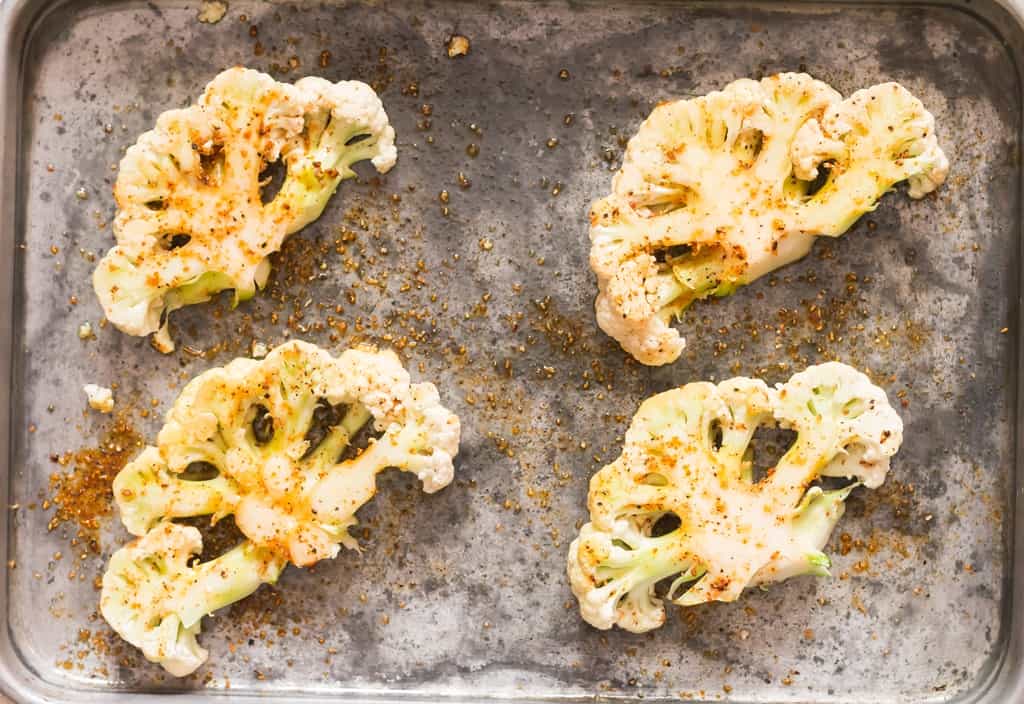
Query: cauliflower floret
(100, 398)
(155, 598)
(716, 191)
(191, 220)
(873, 140)
(624, 311)
(264, 440)
(840, 415)
(687, 455)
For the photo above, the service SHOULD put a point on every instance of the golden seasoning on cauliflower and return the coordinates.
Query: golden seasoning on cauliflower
(270, 442)
(191, 220)
(687, 455)
(719, 190)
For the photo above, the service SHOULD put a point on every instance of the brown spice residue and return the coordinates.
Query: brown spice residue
(564, 333)
(858, 604)
(897, 502)
(84, 495)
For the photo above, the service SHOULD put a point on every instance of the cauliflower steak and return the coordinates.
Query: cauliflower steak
(271, 443)
(191, 220)
(719, 190)
(687, 455)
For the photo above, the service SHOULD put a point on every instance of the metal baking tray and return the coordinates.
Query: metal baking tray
(461, 596)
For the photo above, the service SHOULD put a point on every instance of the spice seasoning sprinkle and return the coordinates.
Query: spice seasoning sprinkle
(83, 495)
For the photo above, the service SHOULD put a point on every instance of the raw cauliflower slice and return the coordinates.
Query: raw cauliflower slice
(270, 441)
(687, 454)
(716, 191)
(191, 221)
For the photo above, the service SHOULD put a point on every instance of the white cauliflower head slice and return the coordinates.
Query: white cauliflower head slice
(271, 441)
(155, 597)
(716, 191)
(688, 455)
(191, 220)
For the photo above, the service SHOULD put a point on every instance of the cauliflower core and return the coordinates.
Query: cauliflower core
(687, 456)
(719, 190)
(191, 220)
(270, 441)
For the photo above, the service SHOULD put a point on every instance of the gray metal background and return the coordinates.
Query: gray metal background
(471, 581)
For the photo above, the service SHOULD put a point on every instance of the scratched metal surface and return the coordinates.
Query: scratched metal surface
(463, 593)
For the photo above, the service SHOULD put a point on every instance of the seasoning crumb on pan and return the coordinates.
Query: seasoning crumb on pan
(212, 11)
(458, 45)
(314, 171)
